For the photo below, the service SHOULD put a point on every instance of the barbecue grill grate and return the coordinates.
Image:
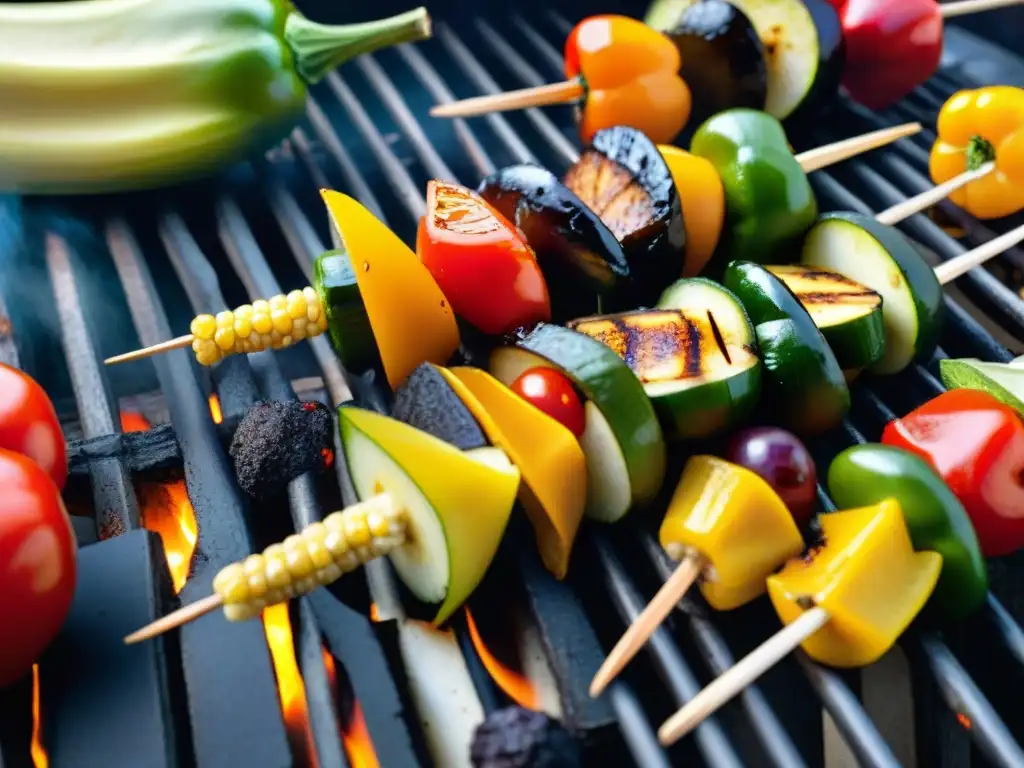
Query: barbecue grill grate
(258, 229)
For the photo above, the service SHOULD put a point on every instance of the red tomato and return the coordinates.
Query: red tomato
(553, 393)
(29, 425)
(37, 564)
(484, 267)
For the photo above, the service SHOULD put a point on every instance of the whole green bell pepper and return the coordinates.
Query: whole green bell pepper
(769, 203)
(866, 474)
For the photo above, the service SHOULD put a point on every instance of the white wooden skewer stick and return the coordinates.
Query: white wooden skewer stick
(954, 268)
(745, 672)
(671, 592)
(830, 154)
(918, 203)
(965, 7)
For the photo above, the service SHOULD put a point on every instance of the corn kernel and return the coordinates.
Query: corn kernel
(207, 352)
(262, 323)
(348, 562)
(378, 524)
(231, 584)
(298, 332)
(298, 563)
(296, 304)
(282, 321)
(279, 302)
(204, 326)
(245, 311)
(225, 338)
(239, 612)
(306, 585)
(356, 530)
(314, 537)
(225, 319)
(243, 325)
(321, 322)
(336, 544)
(329, 574)
(277, 571)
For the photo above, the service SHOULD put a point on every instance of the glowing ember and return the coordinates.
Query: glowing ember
(39, 757)
(964, 720)
(354, 735)
(133, 422)
(290, 687)
(215, 411)
(517, 686)
(166, 510)
(374, 612)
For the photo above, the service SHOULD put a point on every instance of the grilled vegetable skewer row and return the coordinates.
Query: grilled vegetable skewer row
(438, 512)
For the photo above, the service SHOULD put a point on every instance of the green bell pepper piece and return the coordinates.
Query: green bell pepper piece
(769, 202)
(937, 522)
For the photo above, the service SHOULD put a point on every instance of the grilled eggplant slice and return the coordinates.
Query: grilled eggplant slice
(627, 183)
(580, 257)
(723, 58)
(699, 384)
(848, 314)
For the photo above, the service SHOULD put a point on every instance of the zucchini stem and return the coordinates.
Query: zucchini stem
(319, 48)
(979, 152)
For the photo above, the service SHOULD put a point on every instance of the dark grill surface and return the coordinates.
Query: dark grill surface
(132, 270)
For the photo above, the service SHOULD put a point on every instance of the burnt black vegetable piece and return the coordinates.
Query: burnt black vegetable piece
(426, 401)
(723, 59)
(578, 254)
(518, 738)
(623, 178)
(278, 441)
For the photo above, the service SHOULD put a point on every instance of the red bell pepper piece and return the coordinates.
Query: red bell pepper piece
(29, 425)
(977, 445)
(37, 564)
(892, 46)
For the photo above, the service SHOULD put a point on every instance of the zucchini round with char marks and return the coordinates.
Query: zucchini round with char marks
(848, 314)
(622, 442)
(624, 179)
(803, 380)
(881, 258)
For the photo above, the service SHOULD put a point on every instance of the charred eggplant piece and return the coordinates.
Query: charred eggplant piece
(518, 738)
(627, 183)
(580, 257)
(723, 58)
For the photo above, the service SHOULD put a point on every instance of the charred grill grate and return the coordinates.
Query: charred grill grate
(208, 695)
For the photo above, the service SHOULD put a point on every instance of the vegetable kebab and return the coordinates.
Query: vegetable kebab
(438, 512)
(908, 548)
(893, 46)
(123, 122)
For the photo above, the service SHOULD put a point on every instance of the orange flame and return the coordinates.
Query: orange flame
(215, 411)
(374, 612)
(39, 757)
(516, 685)
(290, 688)
(354, 734)
(964, 720)
(166, 510)
(133, 422)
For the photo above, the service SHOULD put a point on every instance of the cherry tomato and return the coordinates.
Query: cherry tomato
(37, 564)
(484, 267)
(553, 393)
(29, 425)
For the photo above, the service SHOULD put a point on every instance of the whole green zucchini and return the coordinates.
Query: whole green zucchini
(110, 95)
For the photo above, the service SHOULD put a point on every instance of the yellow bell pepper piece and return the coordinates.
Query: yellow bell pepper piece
(737, 522)
(866, 576)
(975, 127)
(702, 198)
(409, 316)
(554, 488)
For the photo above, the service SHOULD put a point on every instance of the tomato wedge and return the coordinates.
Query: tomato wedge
(29, 425)
(37, 564)
(484, 267)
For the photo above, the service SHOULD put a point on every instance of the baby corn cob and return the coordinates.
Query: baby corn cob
(319, 555)
(274, 323)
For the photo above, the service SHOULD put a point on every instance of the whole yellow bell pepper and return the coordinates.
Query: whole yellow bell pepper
(976, 127)
(734, 520)
(868, 578)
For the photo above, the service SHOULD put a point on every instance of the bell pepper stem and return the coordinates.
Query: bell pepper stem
(979, 152)
(830, 154)
(689, 569)
(930, 197)
(744, 673)
(965, 7)
(320, 48)
(540, 96)
(954, 268)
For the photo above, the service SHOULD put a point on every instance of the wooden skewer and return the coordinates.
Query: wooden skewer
(918, 203)
(671, 592)
(949, 10)
(565, 92)
(954, 268)
(745, 672)
(164, 346)
(834, 153)
(175, 619)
